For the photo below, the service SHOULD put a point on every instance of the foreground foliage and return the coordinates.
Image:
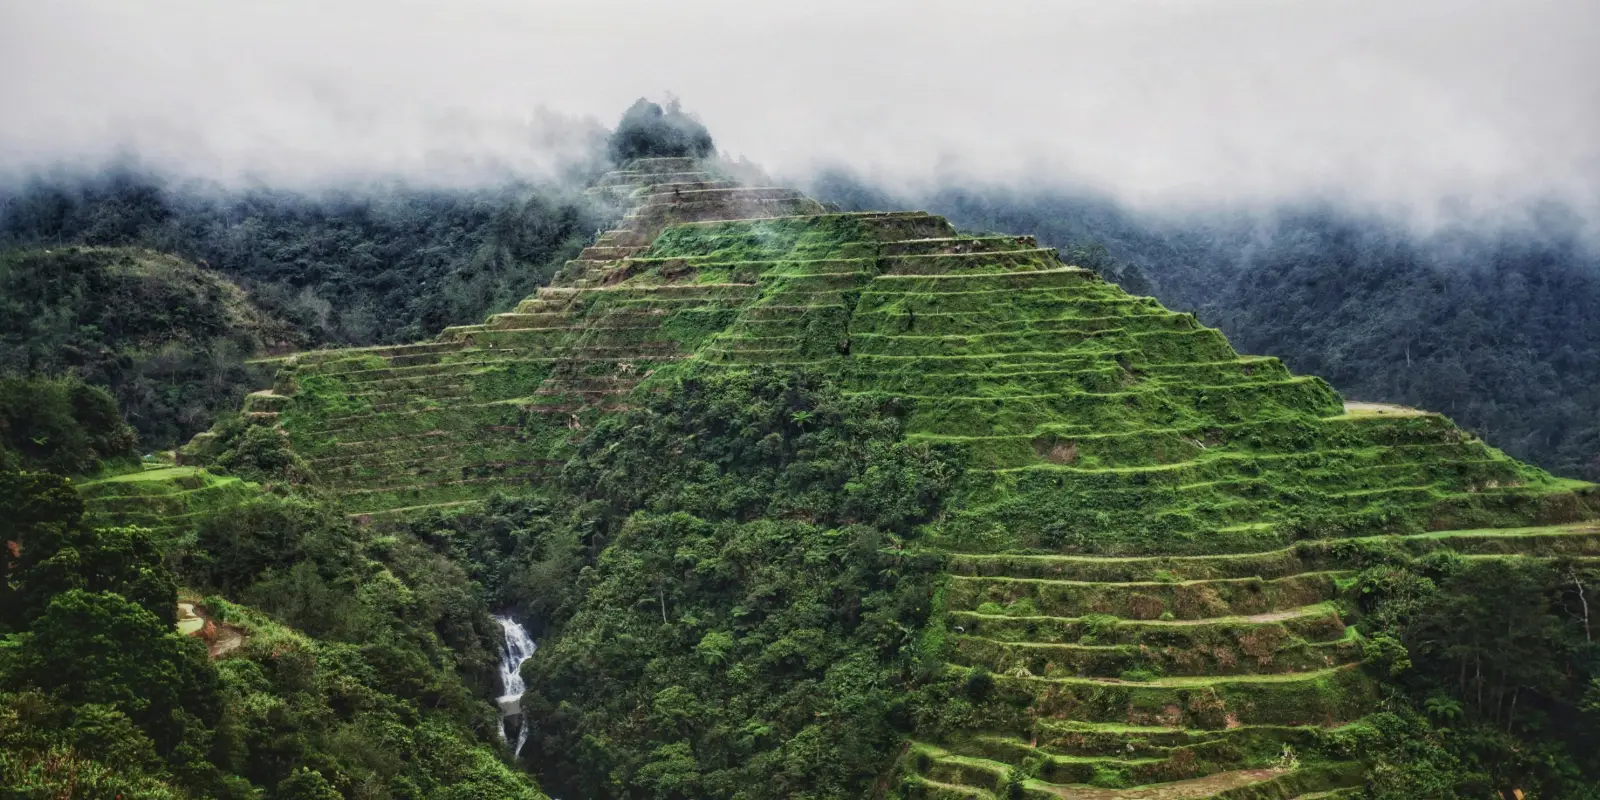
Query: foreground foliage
(357, 670)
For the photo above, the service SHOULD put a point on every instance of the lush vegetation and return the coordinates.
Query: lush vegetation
(731, 602)
(1495, 677)
(60, 425)
(995, 529)
(1492, 326)
(649, 131)
(373, 264)
(169, 340)
(356, 664)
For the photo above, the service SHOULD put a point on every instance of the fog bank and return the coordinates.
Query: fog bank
(1422, 107)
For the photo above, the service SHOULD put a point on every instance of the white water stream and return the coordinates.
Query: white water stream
(519, 647)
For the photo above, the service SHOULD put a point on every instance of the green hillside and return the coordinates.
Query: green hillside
(168, 338)
(1151, 558)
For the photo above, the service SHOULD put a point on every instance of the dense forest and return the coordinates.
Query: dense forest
(168, 339)
(696, 563)
(1493, 324)
(363, 673)
(163, 293)
(361, 265)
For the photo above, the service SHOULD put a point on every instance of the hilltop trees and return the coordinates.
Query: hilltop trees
(648, 130)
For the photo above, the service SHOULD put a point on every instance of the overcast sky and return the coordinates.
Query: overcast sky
(1402, 103)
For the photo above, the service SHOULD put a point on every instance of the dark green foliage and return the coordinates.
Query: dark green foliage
(104, 697)
(387, 263)
(749, 630)
(95, 611)
(56, 558)
(400, 632)
(763, 444)
(305, 784)
(98, 647)
(59, 425)
(649, 131)
(166, 338)
(232, 550)
(519, 550)
(1500, 665)
(256, 452)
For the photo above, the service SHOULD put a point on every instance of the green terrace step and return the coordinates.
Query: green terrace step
(1135, 408)
(1030, 304)
(966, 282)
(1185, 600)
(1313, 623)
(912, 322)
(1221, 526)
(1097, 379)
(867, 365)
(314, 357)
(993, 755)
(1323, 698)
(1582, 538)
(670, 188)
(959, 244)
(266, 402)
(1162, 447)
(1073, 737)
(983, 263)
(166, 499)
(938, 772)
(1245, 650)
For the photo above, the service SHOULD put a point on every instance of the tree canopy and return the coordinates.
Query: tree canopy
(648, 130)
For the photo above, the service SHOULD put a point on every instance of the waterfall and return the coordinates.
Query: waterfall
(519, 646)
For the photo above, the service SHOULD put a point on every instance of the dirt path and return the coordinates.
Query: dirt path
(220, 639)
(1381, 409)
(1208, 786)
(1276, 616)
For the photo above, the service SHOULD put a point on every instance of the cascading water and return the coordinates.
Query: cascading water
(519, 647)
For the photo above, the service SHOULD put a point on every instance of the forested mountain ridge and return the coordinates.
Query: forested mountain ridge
(168, 339)
(1491, 323)
(1121, 554)
(387, 262)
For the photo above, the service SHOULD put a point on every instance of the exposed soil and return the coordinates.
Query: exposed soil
(220, 639)
(1181, 790)
(1381, 409)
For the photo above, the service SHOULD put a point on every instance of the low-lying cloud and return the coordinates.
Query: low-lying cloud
(1422, 105)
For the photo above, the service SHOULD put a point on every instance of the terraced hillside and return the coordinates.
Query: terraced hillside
(1150, 561)
(161, 497)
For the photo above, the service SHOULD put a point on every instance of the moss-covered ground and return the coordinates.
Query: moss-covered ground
(1150, 558)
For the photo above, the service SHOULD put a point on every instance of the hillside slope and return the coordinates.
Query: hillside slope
(1149, 560)
(166, 337)
(1488, 322)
